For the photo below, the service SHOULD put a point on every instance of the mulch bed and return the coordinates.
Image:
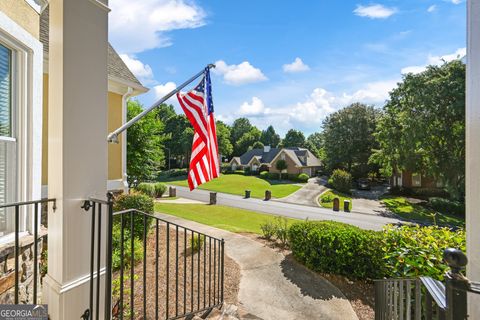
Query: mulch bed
(360, 294)
(187, 290)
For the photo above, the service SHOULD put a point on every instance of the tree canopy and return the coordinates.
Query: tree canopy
(422, 128)
(293, 138)
(145, 143)
(269, 137)
(348, 138)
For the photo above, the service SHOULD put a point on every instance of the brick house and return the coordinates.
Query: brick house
(409, 179)
(299, 160)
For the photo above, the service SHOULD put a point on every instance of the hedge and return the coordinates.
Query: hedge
(337, 248)
(447, 206)
(406, 251)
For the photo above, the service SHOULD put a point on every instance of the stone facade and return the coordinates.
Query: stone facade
(26, 262)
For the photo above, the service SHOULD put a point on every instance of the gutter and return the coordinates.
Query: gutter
(125, 98)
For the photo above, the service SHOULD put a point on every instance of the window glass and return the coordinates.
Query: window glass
(416, 180)
(5, 92)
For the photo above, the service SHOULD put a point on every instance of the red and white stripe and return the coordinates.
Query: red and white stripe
(204, 163)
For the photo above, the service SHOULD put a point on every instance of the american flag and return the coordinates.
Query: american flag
(198, 107)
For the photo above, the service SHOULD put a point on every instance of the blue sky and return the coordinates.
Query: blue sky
(285, 63)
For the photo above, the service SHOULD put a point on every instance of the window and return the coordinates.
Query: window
(416, 180)
(7, 137)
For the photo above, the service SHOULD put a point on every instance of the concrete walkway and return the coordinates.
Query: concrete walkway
(308, 194)
(273, 286)
(364, 221)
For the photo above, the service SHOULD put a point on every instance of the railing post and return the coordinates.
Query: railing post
(456, 285)
(108, 259)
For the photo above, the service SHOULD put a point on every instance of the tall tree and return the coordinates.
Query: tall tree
(246, 141)
(165, 112)
(239, 127)
(314, 143)
(293, 138)
(145, 140)
(423, 126)
(348, 138)
(225, 147)
(179, 134)
(270, 137)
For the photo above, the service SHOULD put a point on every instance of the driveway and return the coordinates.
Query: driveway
(308, 194)
(368, 201)
(290, 210)
(273, 286)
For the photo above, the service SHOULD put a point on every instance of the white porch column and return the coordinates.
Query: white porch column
(77, 146)
(473, 151)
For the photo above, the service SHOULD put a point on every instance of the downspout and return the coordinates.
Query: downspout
(125, 97)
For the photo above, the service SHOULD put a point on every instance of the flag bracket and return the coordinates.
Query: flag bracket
(113, 136)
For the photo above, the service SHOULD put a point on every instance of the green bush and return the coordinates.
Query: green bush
(443, 205)
(411, 251)
(264, 174)
(146, 188)
(273, 176)
(268, 230)
(247, 171)
(302, 177)
(337, 248)
(281, 230)
(160, 189)
(137, 201)
(127, 252)
(197, 243)
(341, 180)
(395, 252)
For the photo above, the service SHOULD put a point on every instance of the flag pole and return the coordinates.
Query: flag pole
(113, 136)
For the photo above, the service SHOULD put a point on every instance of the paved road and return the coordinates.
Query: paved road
(365, 221)
(273, 286)
(308, 194)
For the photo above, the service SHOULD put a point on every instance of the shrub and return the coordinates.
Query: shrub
(341, 180)
(425, 193)
(406, 251)
(146, 188)
(173, 173)
(302, 177)
(160, 189)
(127, 252)
(137, 201)
(273, 176)
(337, 248)
(281, 230)
(197, 243)
(443, 205)
(411, 251)
(327, 197)
(264, 174)
(268, 230)
(247, 171)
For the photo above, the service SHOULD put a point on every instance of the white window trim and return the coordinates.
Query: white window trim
(28, 57)
(419, 179)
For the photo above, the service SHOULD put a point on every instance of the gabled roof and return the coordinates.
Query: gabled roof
(300, 156)
(116, 68)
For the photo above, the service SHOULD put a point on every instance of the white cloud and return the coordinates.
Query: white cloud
(238, 74)
(456, 1)
(162, 89)
(296, 66)
(374, 11)
(432, 8)
(309, 113)
(142, 71)
(436, 61)
(254, 108)
(136, 26)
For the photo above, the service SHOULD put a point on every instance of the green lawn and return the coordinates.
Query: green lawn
(326, 199)
(237, 184)
(227, 218)
(410, 211)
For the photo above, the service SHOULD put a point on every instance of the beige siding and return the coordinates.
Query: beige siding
(114, 149)
(114, 121)
(23, 14)
(291, 168)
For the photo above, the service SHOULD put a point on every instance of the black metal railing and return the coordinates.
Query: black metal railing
(424, 297)
(30, 212)
(154, 268)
